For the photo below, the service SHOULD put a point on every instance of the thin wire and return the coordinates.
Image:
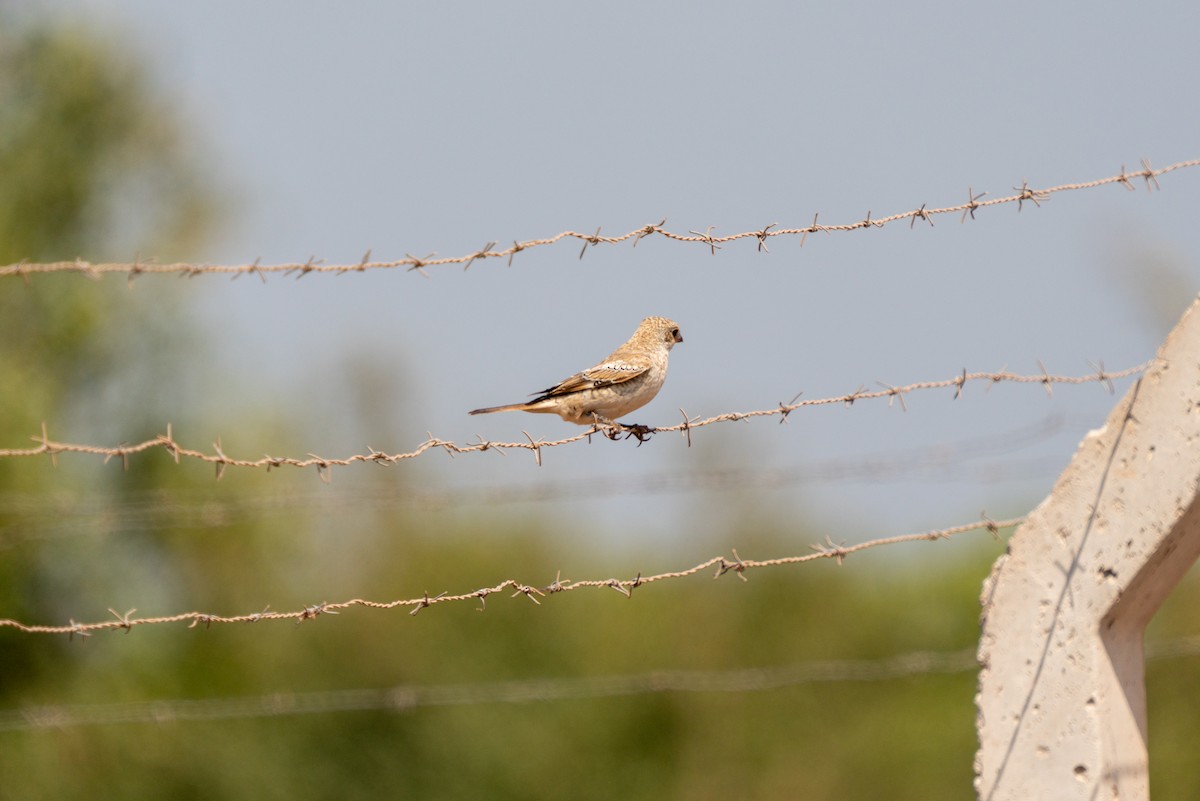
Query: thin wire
(1024, 194)
(41, 516)
(406, 697)
(218, 458)
(828, 550)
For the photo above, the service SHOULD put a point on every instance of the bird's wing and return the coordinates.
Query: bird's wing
(610, 371)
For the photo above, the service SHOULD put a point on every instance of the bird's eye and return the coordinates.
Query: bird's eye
(674, 333)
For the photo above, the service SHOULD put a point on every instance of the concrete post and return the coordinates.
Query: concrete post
(1061, 707)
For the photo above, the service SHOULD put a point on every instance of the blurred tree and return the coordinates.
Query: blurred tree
(84, 137)
(90, 160)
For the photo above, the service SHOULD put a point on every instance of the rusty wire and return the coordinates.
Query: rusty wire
(218, 458)
(719, 564)
(1024, 193)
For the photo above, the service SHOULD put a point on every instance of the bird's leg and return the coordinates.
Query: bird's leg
(605, 426)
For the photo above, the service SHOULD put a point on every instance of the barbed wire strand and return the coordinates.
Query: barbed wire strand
(974, 202)
(406, 697)
(218, 458)
(719, 564)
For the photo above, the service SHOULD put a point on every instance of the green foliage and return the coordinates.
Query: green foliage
(911, 738)
(1172, 703)
(83, 141)
(89, 158)
(821, 740)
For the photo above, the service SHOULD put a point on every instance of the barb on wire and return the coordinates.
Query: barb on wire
(613, 431)
(721, 564)
(1024, 193)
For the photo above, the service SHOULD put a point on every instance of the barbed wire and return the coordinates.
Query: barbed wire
(719, 564)
(406, 697)
(1023, 194)
(614, 431)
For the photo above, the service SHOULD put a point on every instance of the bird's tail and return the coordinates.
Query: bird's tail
(512, 407)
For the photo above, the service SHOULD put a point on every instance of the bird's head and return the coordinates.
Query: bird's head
(658, 331)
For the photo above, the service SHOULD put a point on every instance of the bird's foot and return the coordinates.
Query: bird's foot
(614, 430)
(638, 431)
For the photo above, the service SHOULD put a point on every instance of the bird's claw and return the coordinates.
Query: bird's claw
(615, 431)
(639, 432)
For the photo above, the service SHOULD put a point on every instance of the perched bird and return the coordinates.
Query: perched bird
(627, 380)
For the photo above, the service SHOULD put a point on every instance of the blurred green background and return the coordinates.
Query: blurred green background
(90, 158)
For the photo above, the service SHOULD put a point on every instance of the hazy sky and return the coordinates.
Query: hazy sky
(419, 128)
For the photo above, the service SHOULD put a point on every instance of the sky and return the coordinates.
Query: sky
(437, 128)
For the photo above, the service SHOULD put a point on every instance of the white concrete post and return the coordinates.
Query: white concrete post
(1062, 702)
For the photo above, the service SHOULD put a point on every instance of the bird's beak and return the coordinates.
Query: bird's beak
(679, 337)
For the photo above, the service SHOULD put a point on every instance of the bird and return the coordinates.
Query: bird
(625, 381)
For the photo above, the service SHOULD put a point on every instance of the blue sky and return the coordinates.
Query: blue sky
(419, 128)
